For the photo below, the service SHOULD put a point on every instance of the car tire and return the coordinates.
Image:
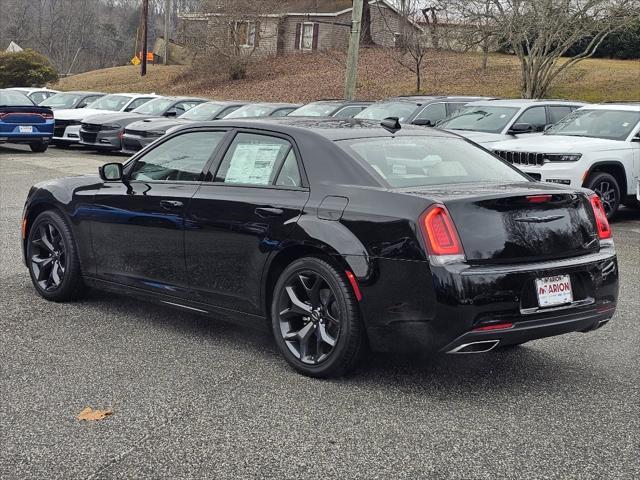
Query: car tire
(607, 188)
(39, 147)
(317, 326)
(52, 259)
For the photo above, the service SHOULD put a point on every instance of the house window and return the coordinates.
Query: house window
(306, 39)
(244, 33)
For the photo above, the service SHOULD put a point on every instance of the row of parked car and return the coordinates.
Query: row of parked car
(556, 141)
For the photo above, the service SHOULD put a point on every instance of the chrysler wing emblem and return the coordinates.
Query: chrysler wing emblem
(550, 218)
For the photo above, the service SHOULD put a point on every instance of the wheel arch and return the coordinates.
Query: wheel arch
(32, 212)
(280, 260)
(613, 168)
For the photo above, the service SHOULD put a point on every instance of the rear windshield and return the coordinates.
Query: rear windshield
(314, 110)
(204, 111)
(62, 100)
(415, 161)
(251, 111)
(480, 119)
(380, 111)
(157, 106)
(115, 103)
(14, 99)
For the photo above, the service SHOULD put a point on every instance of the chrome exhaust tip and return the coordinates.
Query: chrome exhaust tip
(476, 347)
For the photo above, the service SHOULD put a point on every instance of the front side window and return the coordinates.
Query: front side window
(380, 111)
(282, 112)
(558, 112)
(137, 102)
(38, 97)
(204, 111)
(536, 116)
(181, 158)
(348, 112)
(314, 110)
(259, 160)
(415, 161)
(433, 113)
(89, 101)
(597, 123)
(488, 119)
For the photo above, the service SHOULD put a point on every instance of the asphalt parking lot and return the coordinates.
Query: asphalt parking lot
(196, 398)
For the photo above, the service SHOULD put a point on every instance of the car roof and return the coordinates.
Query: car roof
(81, 92)
(274, 105)
(330, 128)
(524, 102)
(625, 106)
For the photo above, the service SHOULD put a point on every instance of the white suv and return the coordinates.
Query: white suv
(597, 147)
(489, 121)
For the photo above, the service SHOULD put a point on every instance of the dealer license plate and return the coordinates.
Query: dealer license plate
(554, 291)
(26, 129)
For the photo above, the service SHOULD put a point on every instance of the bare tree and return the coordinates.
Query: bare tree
(541, 32)
(410, 42)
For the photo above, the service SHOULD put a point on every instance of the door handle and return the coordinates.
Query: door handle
(171, 204)
(264, 212)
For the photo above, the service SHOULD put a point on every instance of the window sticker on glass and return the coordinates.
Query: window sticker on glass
(252, 164)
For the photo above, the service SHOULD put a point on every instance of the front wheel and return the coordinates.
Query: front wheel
(53, 260)
(607, 188)
(315, 319)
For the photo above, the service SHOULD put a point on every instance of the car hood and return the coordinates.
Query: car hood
(484, 138)
(157, 124)
(78, 113)
(560, 144)
(114, 117)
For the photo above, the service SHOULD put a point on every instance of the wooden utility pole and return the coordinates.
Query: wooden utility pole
(145, 22)
(352, 57)
(167, 21)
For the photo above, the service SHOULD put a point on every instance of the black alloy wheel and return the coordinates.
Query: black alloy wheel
(607, 188)
(48, 257)
(315, 319)
(52, 258)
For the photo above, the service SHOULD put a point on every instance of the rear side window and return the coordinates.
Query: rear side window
(259, 160)
(557, 113)
(181, 158)
(14, 99)
(414, 161)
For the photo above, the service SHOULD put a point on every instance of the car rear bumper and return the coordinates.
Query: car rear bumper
(437, 309)
(15, 136)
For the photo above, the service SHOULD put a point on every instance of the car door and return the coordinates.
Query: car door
(240, 214)
(138, 224)
(431, 114)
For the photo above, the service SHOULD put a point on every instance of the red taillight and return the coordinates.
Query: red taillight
(539, 198)
(2, 115)
(440, 234)
(47, 116)
(354, 284)
(604, 230)
(495, 326)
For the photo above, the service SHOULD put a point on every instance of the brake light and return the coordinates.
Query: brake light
(2, 115)
(538, 198)
(604, 230)
(439, 232)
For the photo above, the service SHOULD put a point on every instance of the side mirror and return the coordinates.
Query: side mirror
(517, 128)
(636, 138)
(391, 124)
(171, 113)
(111, 172)
(424, 122)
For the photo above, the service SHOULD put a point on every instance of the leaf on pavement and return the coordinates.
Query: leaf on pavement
(90, 414)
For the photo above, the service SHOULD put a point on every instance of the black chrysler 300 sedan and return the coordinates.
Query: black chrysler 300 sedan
(337, 234)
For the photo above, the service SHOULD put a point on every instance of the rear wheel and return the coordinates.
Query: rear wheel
(53, 260)
(315, 319)
(39, 146)
(607, 188)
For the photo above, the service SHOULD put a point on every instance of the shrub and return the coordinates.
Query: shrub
(25, 69)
